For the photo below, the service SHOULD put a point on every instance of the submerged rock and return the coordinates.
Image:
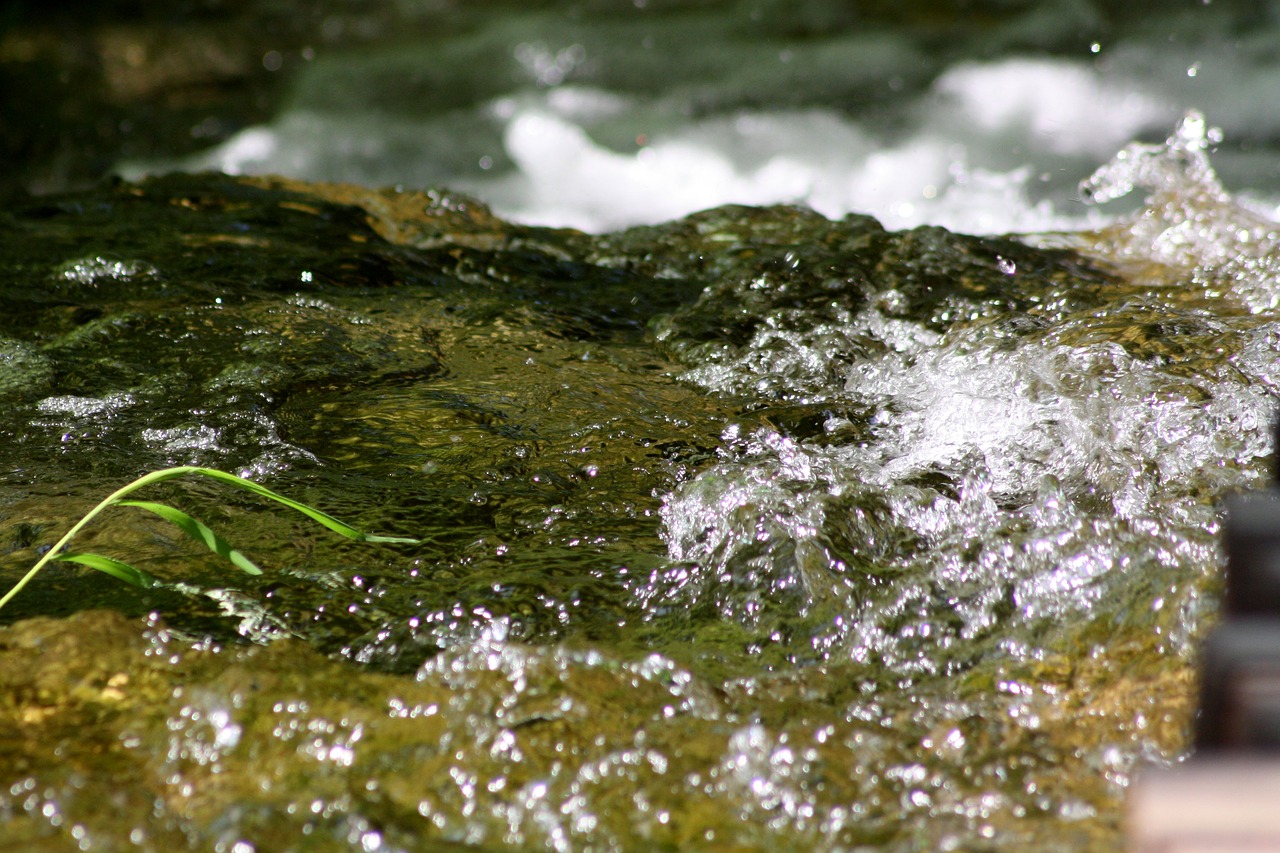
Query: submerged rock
(753, 530)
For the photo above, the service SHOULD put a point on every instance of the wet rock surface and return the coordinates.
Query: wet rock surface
(749, 531)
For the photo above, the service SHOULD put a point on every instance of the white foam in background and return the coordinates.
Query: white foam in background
(1058, 105)
(978, 141)
(982, 151)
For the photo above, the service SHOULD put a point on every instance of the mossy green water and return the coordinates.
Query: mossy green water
(709, 559)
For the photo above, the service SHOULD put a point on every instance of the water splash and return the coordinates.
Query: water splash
(1179, 166)
(1188, 220)
(981, 471)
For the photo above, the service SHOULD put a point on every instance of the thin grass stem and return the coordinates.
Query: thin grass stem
(194, 528)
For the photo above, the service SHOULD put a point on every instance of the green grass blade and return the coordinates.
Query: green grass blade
(314, 514)
(194, 528)
(111, 566)
(198, 531)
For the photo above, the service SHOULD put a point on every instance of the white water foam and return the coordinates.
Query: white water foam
(1055, 461)
(989, 148)
(980, 141)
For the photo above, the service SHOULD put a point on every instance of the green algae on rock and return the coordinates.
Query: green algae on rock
(749, 531)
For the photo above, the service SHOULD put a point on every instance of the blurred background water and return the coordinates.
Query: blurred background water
(976, 114)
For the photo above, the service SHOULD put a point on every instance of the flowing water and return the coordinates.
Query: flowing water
(761, 527)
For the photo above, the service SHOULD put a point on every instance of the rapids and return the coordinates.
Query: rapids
(789, 504)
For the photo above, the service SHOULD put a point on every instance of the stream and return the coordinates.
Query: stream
(769, 494)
